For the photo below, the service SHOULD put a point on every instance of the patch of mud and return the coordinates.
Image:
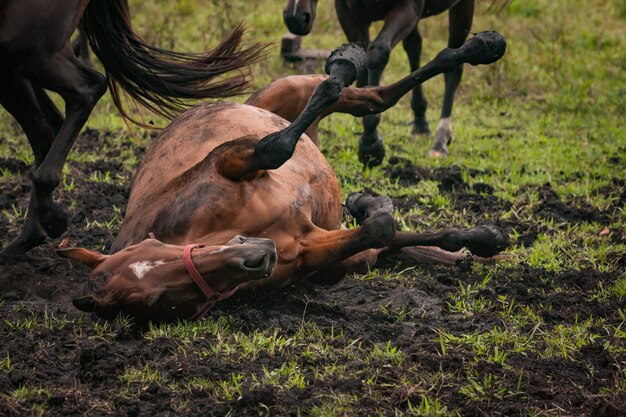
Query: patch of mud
(553, 208)
(80, 365)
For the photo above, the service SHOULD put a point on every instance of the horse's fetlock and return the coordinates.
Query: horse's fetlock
(45, 179)
(377, 56)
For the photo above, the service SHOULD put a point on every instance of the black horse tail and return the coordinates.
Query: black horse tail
(156, 78)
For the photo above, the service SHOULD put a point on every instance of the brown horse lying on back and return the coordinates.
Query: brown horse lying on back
(222, 171)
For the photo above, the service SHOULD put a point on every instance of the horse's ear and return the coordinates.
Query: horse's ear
(85, 256)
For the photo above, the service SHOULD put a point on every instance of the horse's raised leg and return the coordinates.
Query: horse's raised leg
(80, 87)
(245, 157)
(460, 24)
(399, 22)
(413, 47)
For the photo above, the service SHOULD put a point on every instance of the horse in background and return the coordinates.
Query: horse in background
(37, 55)
(400, 25)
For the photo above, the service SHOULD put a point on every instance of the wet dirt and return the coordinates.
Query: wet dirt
(80, 367)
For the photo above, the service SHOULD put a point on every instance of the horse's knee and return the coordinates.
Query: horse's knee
(377, 56)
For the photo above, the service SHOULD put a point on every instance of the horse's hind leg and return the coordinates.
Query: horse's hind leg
(40, 120)
(80, 87)
(460, 24)
(245, 157)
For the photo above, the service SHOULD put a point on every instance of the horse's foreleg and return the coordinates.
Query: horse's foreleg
(399, 22)
(483, 241)
(460, 24)
(413, 47)
(325, 250)
(39, 120)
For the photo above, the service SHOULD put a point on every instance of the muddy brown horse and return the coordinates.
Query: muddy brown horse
(400, 24)
(223, 170)
(36, 55)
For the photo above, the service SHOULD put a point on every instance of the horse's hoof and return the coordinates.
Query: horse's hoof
(379, 229)
(55, 220)
(440, 154)
(487, 241)
(420, 129)
(443, 137)
(32, 235)
(371, 152)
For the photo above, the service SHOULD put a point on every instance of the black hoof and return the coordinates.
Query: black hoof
(371, 151)
(379, 229)
(420, 127)
(362, 205)
(486, 241)
(32, 235)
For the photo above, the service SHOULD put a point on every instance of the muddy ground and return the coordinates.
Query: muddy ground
(79, 367)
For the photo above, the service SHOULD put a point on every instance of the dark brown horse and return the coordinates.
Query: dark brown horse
(400, 24)
(36, 55)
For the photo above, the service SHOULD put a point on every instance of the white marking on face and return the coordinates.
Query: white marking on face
(445, 124)
(295, 6)
(141, 268)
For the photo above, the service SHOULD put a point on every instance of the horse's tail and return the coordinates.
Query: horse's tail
(159, 79)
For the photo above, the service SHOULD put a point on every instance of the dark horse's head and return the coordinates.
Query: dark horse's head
(299, 16)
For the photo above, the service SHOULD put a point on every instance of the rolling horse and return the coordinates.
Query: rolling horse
(237, 197)
(36, 55)
(400, 25)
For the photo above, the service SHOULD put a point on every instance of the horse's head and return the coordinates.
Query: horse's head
(299, 16)
(152, 279)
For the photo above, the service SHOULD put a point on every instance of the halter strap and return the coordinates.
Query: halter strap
(212, 296)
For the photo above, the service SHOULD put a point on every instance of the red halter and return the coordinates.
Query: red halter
(212, 296)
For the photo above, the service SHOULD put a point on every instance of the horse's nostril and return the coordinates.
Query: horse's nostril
(307, 18)
(255, 264)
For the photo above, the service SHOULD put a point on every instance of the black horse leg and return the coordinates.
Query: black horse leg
(399, 22)
(460, 24)
(80, 87)
(413, 48)
(236, 161)
(40, 121)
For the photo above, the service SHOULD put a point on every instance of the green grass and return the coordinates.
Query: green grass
(551, 111)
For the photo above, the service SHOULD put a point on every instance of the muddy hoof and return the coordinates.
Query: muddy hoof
(371, 152)
(32, 235)
(486, 241)
(420, 128)
(362, 205)
(379, 229)
(55, 220)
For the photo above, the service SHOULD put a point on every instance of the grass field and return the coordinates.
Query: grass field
(539, 149)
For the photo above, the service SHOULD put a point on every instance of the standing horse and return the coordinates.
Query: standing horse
(400, 24)
(36, 54)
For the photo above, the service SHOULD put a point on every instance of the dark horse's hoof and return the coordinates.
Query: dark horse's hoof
(420, 127)
(486, 241)
(371, 152)
(375, 214)
(32, 235)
